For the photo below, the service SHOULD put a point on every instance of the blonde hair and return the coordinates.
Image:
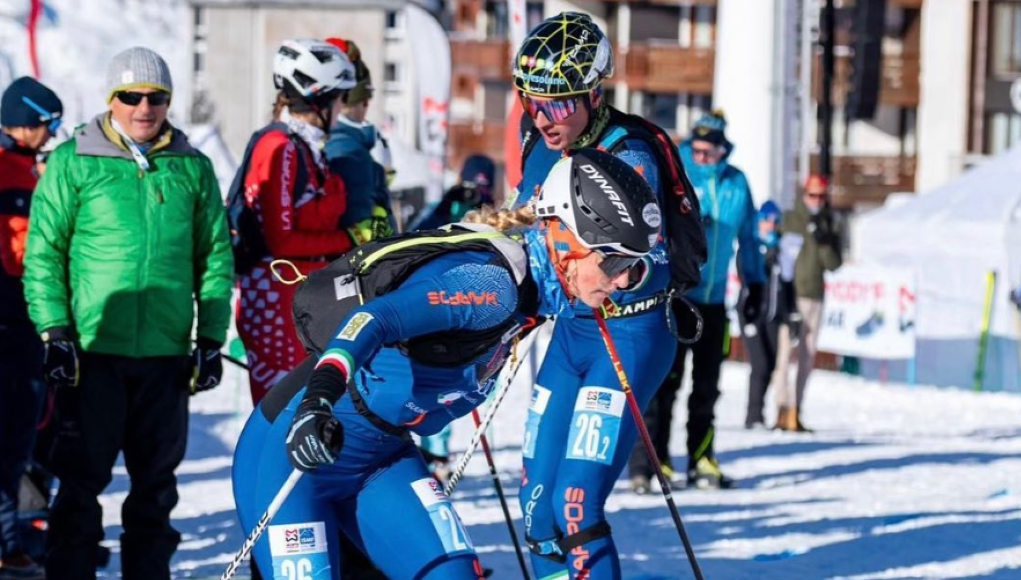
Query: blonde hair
(504, 219)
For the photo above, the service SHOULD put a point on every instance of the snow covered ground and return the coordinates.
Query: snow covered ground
(896, 483)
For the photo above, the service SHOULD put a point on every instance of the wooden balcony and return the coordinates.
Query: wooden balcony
(899, 75)
(867, 180)
(666, 68)
(483, 60)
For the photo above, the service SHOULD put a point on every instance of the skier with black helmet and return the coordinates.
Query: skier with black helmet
(578, 433)
(423, 323)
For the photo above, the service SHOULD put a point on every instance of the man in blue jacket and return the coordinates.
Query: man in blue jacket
(728, 214)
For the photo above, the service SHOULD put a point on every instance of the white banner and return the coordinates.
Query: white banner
(430, 48)
(869, 311)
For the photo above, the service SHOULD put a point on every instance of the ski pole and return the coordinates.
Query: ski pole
(462, 463)
(271, 511)
(235, 361)
(503, 498)
(229, 358)
(636, 412)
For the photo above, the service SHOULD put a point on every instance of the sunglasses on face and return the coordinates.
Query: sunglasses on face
(556, 110)
(703, 151)
(133, 99)
(819, 196)
(614, 265)
(44, 115)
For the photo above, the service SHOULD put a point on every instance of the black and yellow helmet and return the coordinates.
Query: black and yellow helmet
(566, 54)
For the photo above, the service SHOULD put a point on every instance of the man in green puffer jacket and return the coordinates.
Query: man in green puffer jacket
(127, 241)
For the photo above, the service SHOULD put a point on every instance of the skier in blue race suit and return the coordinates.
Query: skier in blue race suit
(380, 375)
(578, 433)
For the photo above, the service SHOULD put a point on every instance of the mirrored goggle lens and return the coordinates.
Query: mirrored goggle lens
(614, 264)
(555, 110)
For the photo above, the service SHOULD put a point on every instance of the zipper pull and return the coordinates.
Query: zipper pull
(159, 195)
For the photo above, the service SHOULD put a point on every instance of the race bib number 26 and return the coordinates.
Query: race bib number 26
(595, 425)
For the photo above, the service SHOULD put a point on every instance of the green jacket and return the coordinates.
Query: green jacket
(820, 247)
(123, 255)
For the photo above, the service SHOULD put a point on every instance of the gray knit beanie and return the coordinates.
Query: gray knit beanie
(138, 68)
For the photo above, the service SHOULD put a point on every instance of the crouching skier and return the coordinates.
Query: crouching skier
(409, 334)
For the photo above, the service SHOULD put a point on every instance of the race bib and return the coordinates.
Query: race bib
(448, 526)
(299, 551)
(595, 424)
(540, 399)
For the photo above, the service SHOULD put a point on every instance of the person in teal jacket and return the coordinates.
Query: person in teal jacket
(728, 214)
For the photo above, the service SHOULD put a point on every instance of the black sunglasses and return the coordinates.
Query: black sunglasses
(133, 99)
(614, 264)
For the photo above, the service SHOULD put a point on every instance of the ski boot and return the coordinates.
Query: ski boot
(706, 474)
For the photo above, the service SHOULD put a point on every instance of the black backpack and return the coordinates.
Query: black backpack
(247, 239)
(328, 295)
(686, 240)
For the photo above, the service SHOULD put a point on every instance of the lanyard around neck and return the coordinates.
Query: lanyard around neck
(136, 153)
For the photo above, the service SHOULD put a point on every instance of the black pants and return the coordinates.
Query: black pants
(761, 348)
(707, 356)
(21, 394)
(138, 406)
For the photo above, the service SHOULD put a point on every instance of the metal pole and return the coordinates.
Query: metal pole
(826, 101)
(809, 15)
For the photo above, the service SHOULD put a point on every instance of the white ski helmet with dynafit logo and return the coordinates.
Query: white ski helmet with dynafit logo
(603, 202)
(311, 68)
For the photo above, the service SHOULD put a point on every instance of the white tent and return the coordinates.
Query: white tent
(951, 238)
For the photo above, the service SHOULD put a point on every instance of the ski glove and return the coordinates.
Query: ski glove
(206, 366)
(316, 436)
(752, 303)
(60, 359)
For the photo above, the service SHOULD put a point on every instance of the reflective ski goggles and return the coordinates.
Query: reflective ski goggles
(556, 110)
(52, 119)
(133, 99)
(614, 265)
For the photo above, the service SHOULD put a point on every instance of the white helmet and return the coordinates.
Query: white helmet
(312, 68)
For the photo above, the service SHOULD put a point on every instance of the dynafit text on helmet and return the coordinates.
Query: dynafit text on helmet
(558, 73)
(403, 336)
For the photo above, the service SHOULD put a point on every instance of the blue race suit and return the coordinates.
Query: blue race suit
(379, 491)
(579, 433)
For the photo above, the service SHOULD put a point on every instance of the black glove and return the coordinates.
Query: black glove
(752, 303)
(206, 366)
(316, 436)
(821, 227)
(60, 359)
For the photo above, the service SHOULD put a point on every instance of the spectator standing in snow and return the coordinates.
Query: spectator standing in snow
(728, 214)
(297, 199)
(128, 233)
(30, 114)
(812, 234)
(761, 334)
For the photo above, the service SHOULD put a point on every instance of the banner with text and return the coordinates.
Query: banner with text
(869, 311)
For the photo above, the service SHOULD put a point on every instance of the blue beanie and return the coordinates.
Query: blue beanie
(29, 103)
(769, 210)
(712, 128)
